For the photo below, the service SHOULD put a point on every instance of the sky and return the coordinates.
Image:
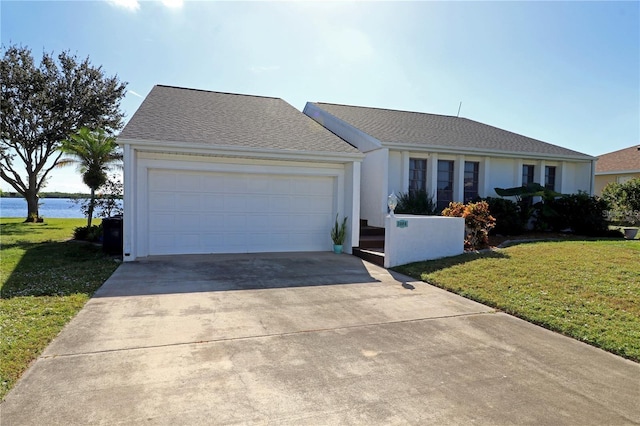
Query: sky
(567, 73)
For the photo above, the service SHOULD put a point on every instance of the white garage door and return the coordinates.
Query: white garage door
(220, 212)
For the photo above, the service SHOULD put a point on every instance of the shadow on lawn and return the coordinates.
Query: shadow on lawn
(416, 269)
(56, 269)
(19, 228)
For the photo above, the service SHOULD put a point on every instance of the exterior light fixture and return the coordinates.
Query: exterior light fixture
(392, 202)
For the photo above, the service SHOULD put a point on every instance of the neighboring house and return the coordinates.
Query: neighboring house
(618, 166)
(452, 158)
(210, 172)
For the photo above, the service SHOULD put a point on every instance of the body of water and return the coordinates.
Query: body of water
(49, 207)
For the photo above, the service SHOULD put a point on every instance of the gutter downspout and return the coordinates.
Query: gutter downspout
(593, 177)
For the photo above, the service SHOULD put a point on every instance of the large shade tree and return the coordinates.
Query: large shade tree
(43, 104)
(94, 153)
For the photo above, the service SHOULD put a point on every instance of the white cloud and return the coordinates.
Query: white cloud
(134, 5)
(131, 5)
(173, 4)
(135, 94)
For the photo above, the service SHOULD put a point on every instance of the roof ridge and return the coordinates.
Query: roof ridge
(388, 109)
(215, 91)
(452, 116)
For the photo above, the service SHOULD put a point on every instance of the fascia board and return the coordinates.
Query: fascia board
(234, 151)
(618, 172)
(341, 128)
(483, 152)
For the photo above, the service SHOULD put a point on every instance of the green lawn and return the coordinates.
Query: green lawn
(589, 290)
(44, 281)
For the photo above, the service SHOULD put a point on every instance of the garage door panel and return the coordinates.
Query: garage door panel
(235, 222)
(280, 186)
(278, 204)
(235, 185)
(163, 182)
(162, 200)
(159, 221)
(189, 182)
(188, 201)
(238, 213)
(235, 203)
(212, 203)
(256, 203)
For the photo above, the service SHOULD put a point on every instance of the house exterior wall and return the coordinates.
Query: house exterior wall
(138, 165)
(601, 180)
(374, 187)
(494, 172)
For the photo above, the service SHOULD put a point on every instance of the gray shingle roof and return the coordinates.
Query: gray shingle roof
(432, 130)
(618, 161)
(175, 114)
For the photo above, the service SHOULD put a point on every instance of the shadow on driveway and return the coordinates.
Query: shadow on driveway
(224, 272)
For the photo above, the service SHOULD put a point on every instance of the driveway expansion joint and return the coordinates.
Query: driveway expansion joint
(260, 336)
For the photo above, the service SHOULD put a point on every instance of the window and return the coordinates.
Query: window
(550, 177)
(471, 172)
(445, 183)
(417, 175)
(528, 174)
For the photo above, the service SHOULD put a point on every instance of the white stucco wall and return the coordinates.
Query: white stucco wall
(373, 187)
(576, 177)
(424, 238)
(396, 173)
(502, 173)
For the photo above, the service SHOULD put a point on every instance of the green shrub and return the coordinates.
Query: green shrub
(582, 213)
(92, 234)
(508, 216)
(416, 202)
(624, 200)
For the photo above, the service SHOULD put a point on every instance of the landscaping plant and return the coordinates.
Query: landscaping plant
(508, 216)
(624, 200)
(477, 219)
(416, 202)
(339, 231)
(94, 152)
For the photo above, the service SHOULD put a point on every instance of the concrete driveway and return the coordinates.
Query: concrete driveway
(309, 339)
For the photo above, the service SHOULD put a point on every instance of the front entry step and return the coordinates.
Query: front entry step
(370, 255)
(371, 244)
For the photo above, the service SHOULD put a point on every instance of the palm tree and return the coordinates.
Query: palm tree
(95, 153)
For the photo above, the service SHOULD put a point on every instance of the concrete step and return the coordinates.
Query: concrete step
(371, 241)
(371, 230)
(373, 256)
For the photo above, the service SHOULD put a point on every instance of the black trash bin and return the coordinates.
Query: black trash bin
(112, 234)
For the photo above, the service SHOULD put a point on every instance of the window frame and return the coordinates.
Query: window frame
(474, 192)
(528, 174)
(415, 172)
(445, 196)
(550, 177)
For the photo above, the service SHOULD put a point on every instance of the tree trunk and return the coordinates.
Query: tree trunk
(32, 205)
(92, 203)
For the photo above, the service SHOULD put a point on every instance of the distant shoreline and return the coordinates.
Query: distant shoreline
(47, 195)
